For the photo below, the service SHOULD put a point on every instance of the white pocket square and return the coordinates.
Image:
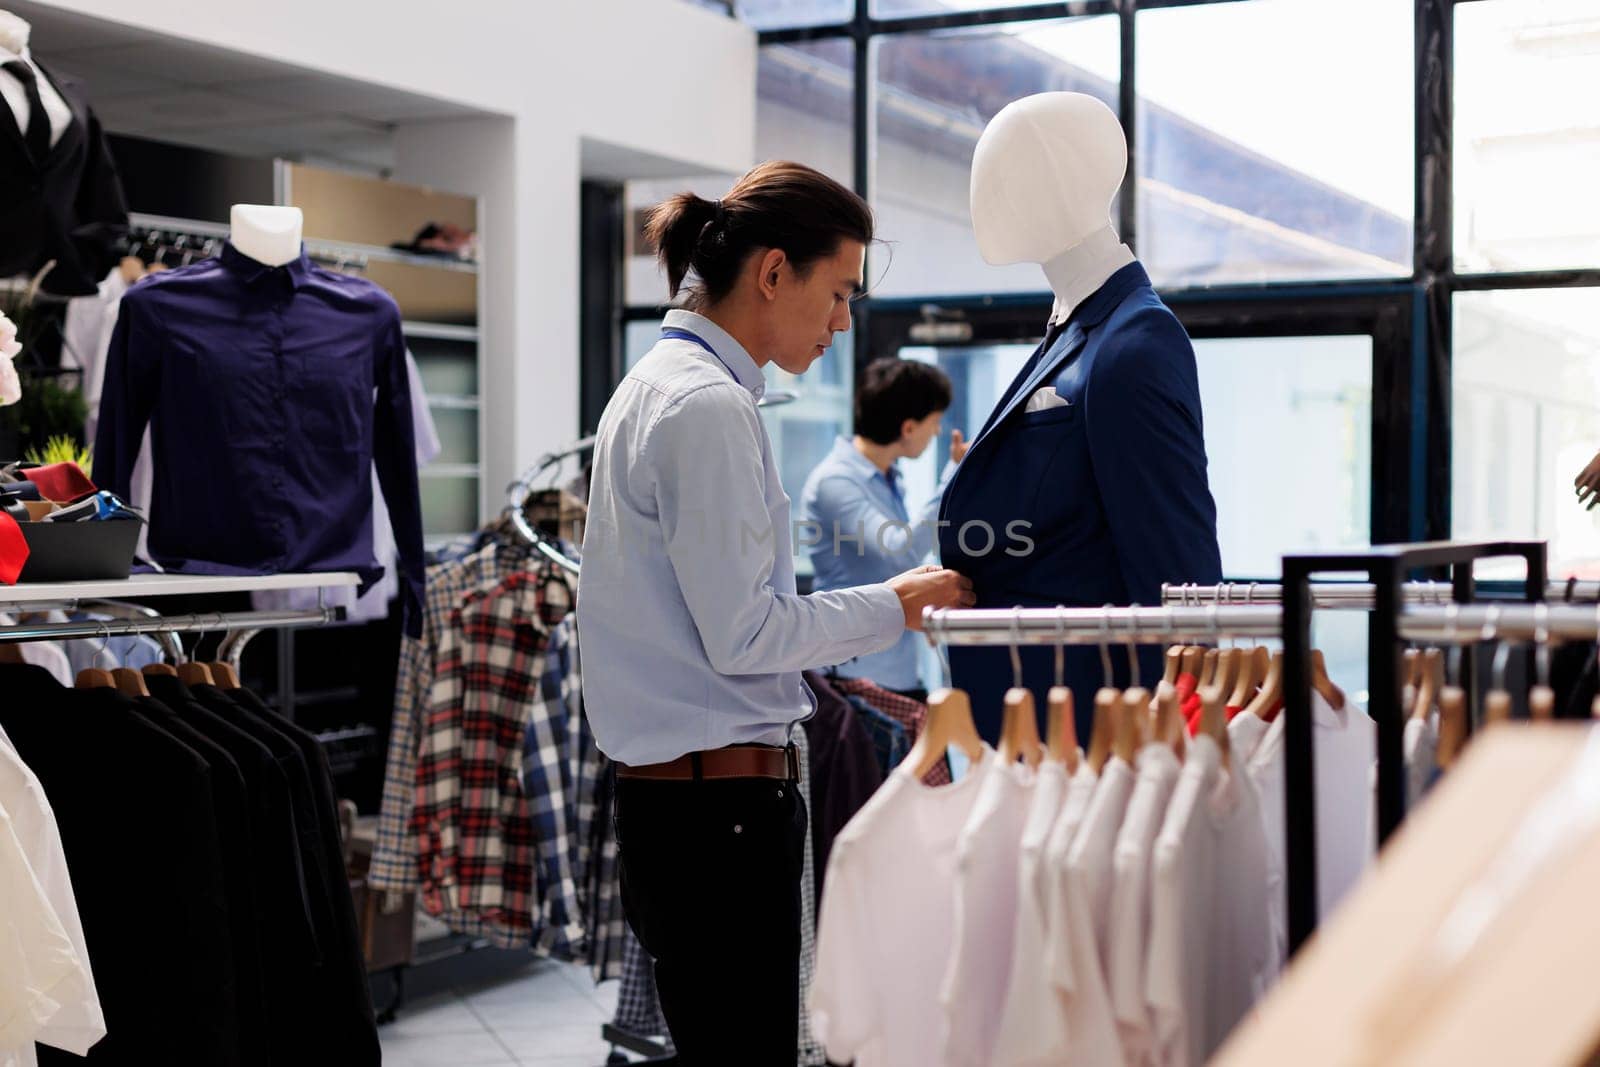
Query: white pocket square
(1047, 398)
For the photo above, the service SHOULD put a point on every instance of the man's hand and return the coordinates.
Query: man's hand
(959, 446)
(1588, 483)
(930, 587)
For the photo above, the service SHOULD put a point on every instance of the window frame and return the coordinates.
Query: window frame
(1409, 319)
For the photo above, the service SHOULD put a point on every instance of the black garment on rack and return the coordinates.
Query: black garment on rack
(290, 950)
(338, 1006)
(69, 207)
(141, 838)
(230, 802)
(844, 769)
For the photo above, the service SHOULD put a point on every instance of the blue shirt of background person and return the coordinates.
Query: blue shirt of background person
(853, 511)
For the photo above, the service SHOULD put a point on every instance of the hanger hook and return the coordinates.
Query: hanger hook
(105, 641)
(1061, 646)
(1133, 647)
(1454, 654)
(1016, 650)
(1105, 643)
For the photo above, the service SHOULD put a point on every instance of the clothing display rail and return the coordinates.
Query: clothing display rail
(137, 619)
(1396, 619)
(1387, 568)
(1352, 595)
(195, 234)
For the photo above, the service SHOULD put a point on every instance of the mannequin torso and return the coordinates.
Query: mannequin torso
(265, 233)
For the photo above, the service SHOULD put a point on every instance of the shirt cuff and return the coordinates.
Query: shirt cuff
(889, 618)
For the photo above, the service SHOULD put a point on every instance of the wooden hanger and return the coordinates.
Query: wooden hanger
(192, 673)
(1452, 726)
(1541, 703)
(1214, 715)
(1193, 660)
(1107, 708)
(11, 653)
(1172, 665)
(1170, 729)
(1061, 732)
(1430, 680)
(1323, 684)
(163, 670)
(949, 723)
(94, 678)
(129, 682)
(1497, 701)
(1132, 724)
(1208, 666)
(226, 677)
(1244, 690)
(1019, 729)
(1594, 709)
(1269, 700)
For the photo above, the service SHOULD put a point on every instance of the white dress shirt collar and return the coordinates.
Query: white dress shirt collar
(730, 352)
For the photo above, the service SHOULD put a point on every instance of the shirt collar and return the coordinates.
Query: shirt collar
(730, 352)
(250, 271)
(846, 453)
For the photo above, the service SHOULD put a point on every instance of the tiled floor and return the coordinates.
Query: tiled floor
(541, 1014)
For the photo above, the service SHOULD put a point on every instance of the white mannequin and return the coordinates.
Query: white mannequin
(265, 233)
(1043, 177)
(14, 35)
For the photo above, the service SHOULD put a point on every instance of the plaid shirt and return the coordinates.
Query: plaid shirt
(394, 856)
(478, 827)
(907, 712)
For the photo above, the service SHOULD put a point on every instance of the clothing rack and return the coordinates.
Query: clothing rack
(129, 619)
(1387, 568)
(193, 239)
(1351, 595)
(1394, 622)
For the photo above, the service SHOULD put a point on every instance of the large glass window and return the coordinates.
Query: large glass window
(1275, 141)
(782, 14)
(1527, 419)
(933, 94)
(1289, 445)
(1527, 146)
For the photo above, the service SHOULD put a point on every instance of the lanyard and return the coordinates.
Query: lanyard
(678, 334)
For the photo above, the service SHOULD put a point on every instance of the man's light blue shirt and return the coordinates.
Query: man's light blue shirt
(693, 636)
(854, 518)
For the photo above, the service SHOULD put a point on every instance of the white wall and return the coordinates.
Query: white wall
(662, 78)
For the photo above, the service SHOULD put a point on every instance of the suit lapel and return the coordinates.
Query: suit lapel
(80, 115)
(13, 133)
(1048, 363)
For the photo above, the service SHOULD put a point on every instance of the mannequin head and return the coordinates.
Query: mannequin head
(14, 33)
(1043, 177)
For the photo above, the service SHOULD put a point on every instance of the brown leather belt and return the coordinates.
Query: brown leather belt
(735, 761)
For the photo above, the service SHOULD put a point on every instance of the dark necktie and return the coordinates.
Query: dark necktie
(38, 133)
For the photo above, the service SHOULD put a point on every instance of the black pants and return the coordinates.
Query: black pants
(711, 886)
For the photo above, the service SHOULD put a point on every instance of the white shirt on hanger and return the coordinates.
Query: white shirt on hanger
(38, 964)
(76, 1022)
(1039, 999)
(1022, 1010)
(1091, 1026)
(885, 932)
(988, 861)
(1130, 898)
(1346, 745)
(1245, 734)
(1210, 935)
(16, 98)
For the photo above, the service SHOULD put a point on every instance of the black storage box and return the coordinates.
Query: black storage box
(77, 551)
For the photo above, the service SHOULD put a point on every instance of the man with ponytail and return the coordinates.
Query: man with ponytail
(693, 635)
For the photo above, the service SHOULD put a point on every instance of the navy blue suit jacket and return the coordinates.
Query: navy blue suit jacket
(1096, 502)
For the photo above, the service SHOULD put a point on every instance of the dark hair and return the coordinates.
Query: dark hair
(894, 390)
(777, 205)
